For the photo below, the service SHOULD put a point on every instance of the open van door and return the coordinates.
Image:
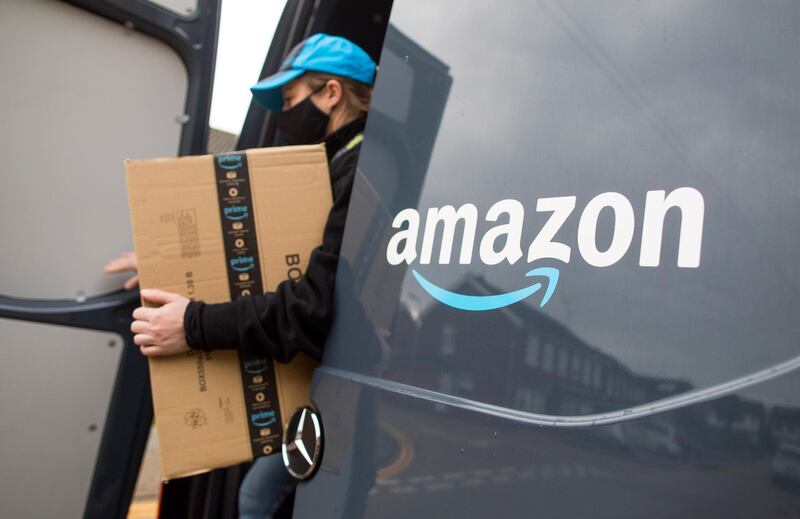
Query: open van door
(95, 82)
(86, 84)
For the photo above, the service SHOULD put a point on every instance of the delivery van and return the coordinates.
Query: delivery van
(568, 283)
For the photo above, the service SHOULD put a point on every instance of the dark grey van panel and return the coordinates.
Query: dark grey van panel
(658, 379)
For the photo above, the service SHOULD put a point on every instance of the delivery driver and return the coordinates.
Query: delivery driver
(322, 92)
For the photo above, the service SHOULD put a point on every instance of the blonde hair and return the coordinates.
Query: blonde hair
(356, 96)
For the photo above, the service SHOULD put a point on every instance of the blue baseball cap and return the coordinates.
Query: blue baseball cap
(319, 53)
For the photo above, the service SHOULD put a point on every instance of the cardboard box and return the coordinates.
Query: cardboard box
(213, 228)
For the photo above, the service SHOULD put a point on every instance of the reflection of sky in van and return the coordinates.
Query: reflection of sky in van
(549, 99)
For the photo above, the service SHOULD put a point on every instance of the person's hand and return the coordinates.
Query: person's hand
(126, 262)
(159, 331)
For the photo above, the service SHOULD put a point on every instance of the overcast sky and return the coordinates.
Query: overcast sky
(246, 30)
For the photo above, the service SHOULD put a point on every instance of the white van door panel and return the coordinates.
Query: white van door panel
(86, 85)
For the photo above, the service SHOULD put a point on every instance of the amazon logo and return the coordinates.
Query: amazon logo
(243, 263)
(229, 161)
(502, 243)
(256, 366)
(236, 212)
(263, 418)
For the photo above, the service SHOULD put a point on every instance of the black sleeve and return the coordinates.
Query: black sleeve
(297, 316)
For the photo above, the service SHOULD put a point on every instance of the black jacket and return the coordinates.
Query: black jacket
(297, 316)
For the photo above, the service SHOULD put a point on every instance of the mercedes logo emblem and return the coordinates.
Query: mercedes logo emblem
(302, 443)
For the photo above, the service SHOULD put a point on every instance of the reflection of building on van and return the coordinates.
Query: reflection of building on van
(784, 423)
(552, 371)
(555, 371)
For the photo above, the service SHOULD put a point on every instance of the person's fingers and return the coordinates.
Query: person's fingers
(159, 297)
(142, 339)
(144, 314)
(131, 283)
(132, 260)
(140, 327)
(151, 351)
(115, 265)
(120, 265)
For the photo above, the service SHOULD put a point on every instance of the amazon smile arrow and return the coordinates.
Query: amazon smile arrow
(495, 301)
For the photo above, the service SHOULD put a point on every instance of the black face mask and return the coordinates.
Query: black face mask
(303, 123)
